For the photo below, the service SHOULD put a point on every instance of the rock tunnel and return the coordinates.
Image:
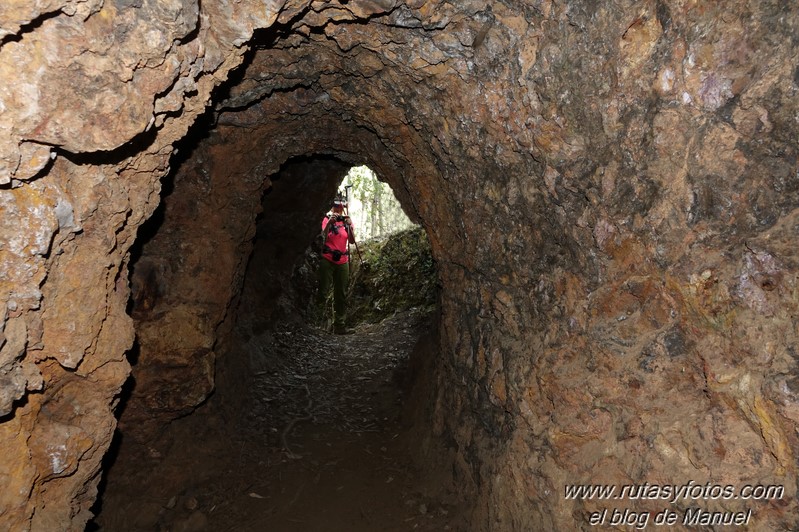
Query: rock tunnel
(610, 190)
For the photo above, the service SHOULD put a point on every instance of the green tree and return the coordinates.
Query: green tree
(373, 207)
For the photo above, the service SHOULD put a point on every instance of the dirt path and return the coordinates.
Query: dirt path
(323, 447)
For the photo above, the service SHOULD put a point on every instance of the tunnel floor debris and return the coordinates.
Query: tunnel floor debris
(323, 446)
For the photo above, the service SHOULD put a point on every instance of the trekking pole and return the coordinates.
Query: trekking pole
(353, 241)
(359, 252)
(347, 212)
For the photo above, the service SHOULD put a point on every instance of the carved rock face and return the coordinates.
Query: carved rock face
(610, 190)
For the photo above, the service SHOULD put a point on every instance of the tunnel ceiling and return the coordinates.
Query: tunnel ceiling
(610, 190)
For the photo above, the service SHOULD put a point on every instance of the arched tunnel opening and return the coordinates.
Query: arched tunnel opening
(610, 191)
(304, 427)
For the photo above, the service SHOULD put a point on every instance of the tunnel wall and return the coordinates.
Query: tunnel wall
(94, 95)
(610, 191)
(188, 276)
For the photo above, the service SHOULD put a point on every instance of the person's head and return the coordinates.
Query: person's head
(338, 205)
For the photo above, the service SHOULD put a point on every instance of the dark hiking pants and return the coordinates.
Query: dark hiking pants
(338, 275)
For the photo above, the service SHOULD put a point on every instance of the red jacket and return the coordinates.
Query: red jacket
(335, 241)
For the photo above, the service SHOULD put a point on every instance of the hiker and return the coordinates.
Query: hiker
(337, 233)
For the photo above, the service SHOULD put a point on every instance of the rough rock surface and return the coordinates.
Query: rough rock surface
(610, 190)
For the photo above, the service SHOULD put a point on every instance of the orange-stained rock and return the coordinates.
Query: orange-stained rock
(610, 193)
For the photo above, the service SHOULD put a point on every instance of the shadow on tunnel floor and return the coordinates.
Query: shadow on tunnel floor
(323, 441)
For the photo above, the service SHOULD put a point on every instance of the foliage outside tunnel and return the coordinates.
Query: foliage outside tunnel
(397, 274)
(391, 265)
(374, 209)
(388, 275)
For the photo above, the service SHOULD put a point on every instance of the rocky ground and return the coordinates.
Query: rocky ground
(322, 442)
